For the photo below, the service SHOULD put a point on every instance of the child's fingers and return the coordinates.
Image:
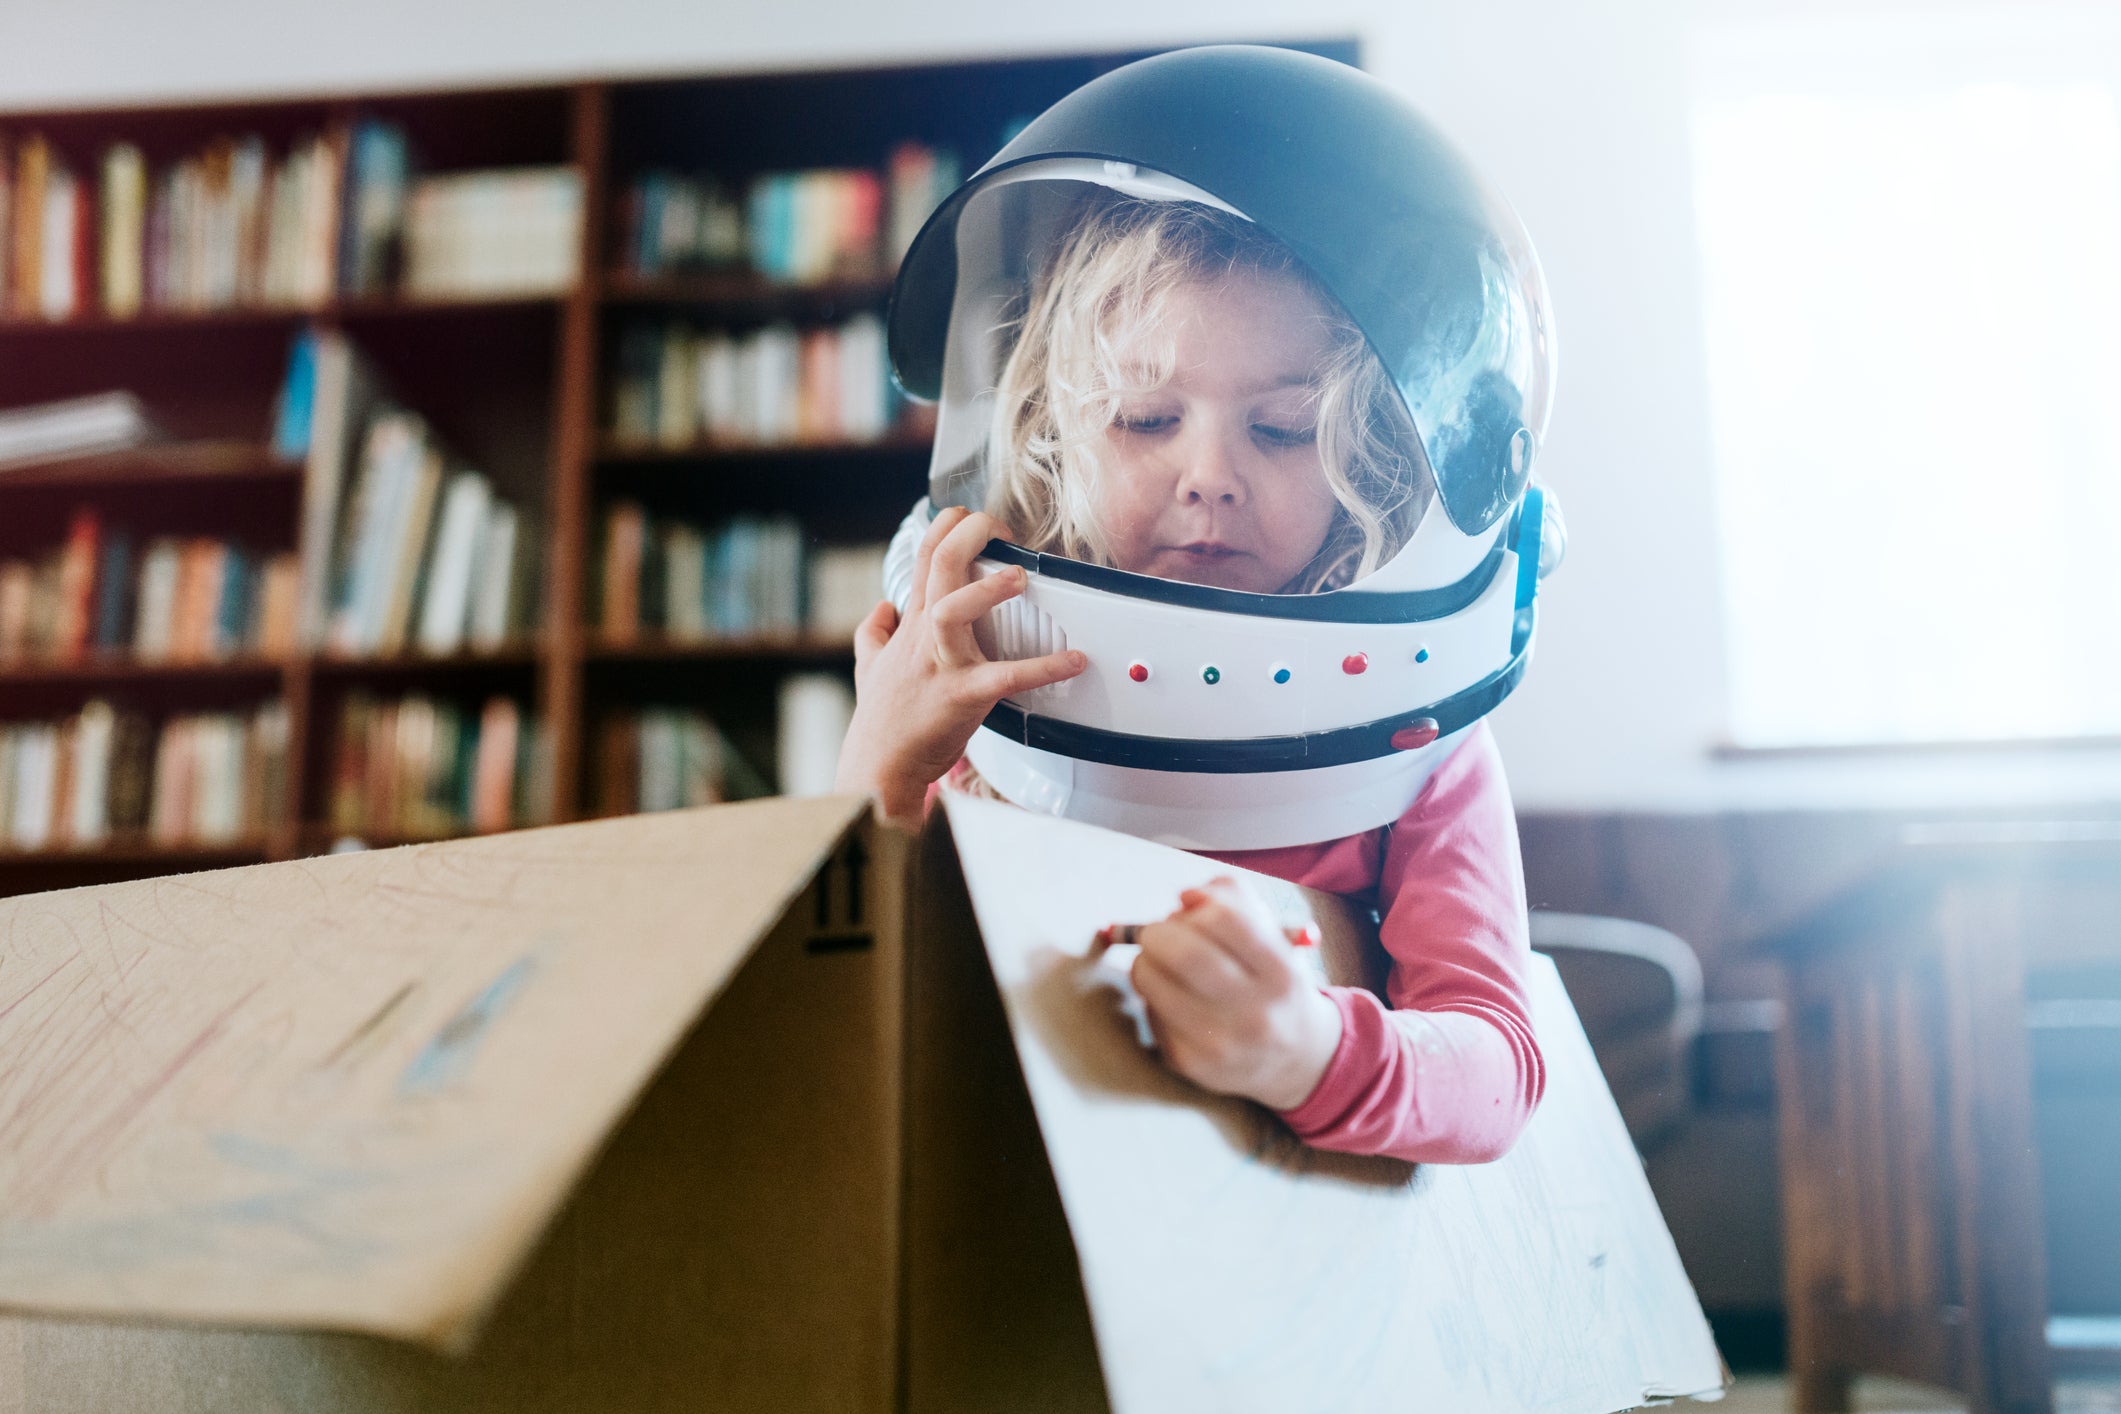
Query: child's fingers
(1193, 960)
(961, 608)
(953, 616)
(1173, 1007)
(950, 568)
(995, 681)
(945, 518)
(874, 631)
(1236, 932)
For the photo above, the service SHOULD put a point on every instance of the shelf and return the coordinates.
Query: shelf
(156, 464)
(522, 655)
(357, 309)
(743, 293)
(654, 648)
(318, 837)
(96, 671)
(899, 443)
(140, 849)
(101, 670)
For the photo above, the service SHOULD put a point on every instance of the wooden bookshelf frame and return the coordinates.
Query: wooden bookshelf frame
(607, 130)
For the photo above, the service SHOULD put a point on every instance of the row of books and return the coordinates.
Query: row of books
(167, 600)
(338, 213)
(677, 386)
(208, 778)
(750, 576)
(401, 544)
(668, 758)
(419, 766)
(791, 227)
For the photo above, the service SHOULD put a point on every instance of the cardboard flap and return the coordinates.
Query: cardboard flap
(1228, 1266)
(350, 1093)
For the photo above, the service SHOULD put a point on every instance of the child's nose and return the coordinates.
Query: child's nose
(1210, 473)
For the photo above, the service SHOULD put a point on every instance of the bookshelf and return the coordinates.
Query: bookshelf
(520, 385)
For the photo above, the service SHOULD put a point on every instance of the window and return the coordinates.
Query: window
(1911, 250)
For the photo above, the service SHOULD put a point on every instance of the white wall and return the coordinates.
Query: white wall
(1577, 108)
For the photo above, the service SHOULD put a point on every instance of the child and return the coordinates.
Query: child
(1184, 400)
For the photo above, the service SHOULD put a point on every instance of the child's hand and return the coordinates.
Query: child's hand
(921, 684)
(1231, 1008)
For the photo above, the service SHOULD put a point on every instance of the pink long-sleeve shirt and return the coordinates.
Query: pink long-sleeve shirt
(1449, 1072)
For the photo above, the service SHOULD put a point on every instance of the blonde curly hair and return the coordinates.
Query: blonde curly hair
(1065, 379)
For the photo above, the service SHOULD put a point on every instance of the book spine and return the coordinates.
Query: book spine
(32, 164)
(625, 530)
(7, 227)
(124, 229)
(55, 247)
(113, 593)
(88, 808)
(77, 587)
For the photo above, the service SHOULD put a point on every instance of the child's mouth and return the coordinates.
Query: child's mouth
(1208, 550)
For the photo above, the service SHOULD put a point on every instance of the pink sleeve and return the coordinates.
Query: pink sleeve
(1450, 1072)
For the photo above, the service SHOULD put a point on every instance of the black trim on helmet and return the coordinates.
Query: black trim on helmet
(1341, 606)
(1305, 751)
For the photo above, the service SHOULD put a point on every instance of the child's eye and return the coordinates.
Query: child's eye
(1145, 422)
(1275, 435)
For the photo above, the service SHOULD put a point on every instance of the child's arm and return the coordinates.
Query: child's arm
(922, 685)
(1451, 1072)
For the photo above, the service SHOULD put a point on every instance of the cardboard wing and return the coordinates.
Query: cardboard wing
(607, 1111)
(1228, 1267)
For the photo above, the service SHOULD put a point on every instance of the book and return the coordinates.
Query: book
(35, 769)
(77, 587)
(315, 227)
(371, 234)
(18, 586)
(494, 772)
(398, 539)
(131, 773)
(406, 553)
(675, 385)
(846, 582)
(445, 610)
(266, 766)
(392, 454)
(500, 602)
(202, 567)
(154, 618)
(625, 532)
(26, 265)
(58, 261)
(511, 231)
(425, 766)
(114, 583)
(7, 233)
(340, 405)
(294, 409)
(279, 603)
(73, 427)
(684, 582)
(233, 613)
(919, 179)
(619, 765)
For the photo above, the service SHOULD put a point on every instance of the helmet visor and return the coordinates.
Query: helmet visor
(1138, 376)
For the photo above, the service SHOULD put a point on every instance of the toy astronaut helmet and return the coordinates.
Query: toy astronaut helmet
(1221, 717)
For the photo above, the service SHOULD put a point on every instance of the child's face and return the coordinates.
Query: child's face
(1215, 478)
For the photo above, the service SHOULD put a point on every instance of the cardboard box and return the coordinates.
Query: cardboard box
(731, 1109)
